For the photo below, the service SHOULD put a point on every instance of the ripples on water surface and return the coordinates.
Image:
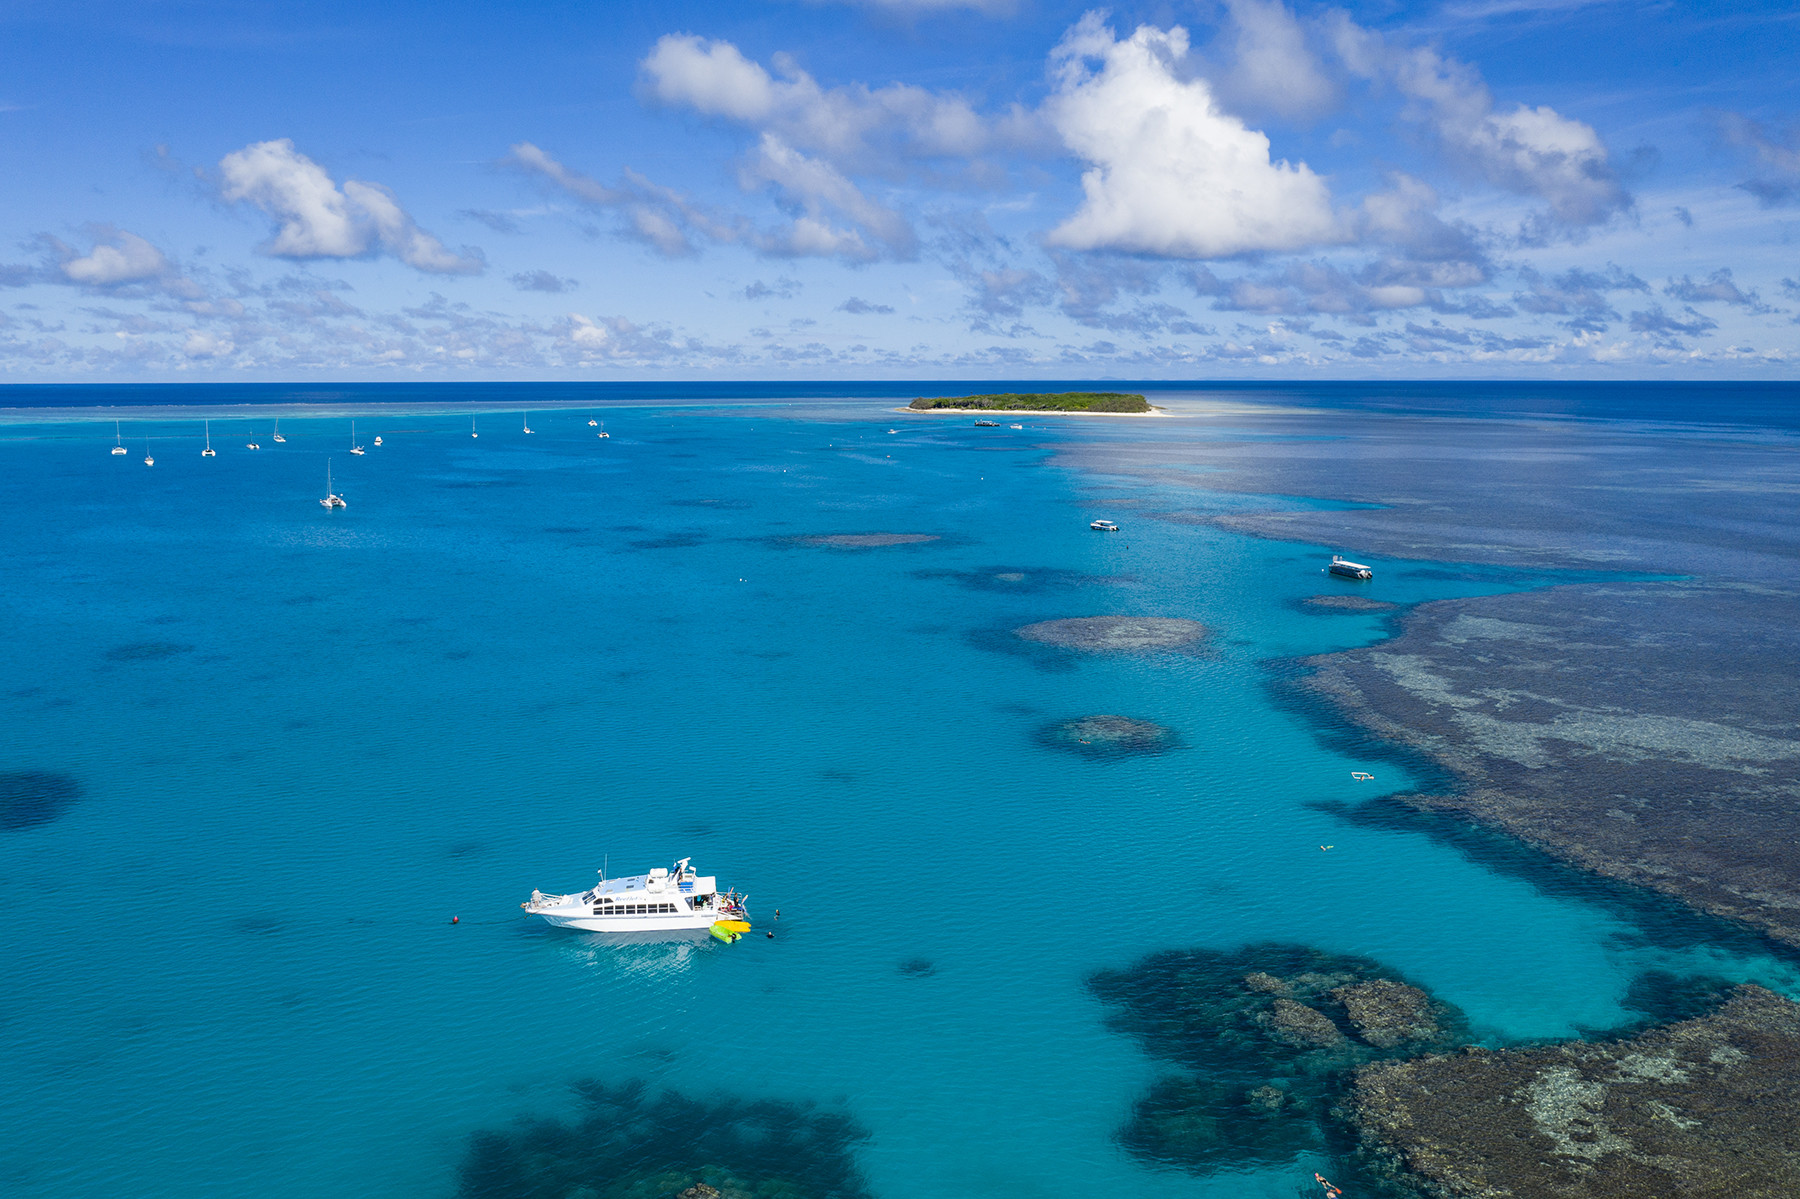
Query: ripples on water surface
(257, 756)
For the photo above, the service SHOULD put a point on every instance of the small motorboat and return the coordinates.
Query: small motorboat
(893, 430)
(118, 449)
(378, 439)
(1343, 568)
(1104, 526)
(208, 452)
(1015, 426)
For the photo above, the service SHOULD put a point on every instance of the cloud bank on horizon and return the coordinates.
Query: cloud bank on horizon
(904, 188)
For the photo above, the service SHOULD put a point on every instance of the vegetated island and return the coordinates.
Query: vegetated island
(1062, 401)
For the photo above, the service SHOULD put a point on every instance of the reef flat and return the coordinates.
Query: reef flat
(1062, 401)
(1705, 1107)
(1633, 731)
(1115, 634)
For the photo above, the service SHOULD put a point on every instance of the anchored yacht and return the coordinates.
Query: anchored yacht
(672, 900)
(118, 449)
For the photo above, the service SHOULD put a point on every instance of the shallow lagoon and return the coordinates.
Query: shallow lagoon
(512, 657)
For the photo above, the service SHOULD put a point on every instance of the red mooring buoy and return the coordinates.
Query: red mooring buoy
(455, 919)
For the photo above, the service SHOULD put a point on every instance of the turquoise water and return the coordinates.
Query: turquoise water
(304, 741)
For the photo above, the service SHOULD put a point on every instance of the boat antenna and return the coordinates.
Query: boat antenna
(605, 860)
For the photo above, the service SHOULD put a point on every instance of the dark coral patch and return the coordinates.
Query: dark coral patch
(1108, 736)
(1021, 580)
(918, 968)
(146, 651)
(1267, 1037)
(29, 798)
(635, 1144)
(1345, 603)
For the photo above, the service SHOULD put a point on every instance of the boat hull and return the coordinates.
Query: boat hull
(666, 925)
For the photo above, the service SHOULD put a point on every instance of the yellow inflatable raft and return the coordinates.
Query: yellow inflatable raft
(733, 926)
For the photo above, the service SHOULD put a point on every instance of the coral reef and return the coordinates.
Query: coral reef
(1267, 1036)
(1706, 1107)
(864, 541)
(1345, 603)
(1115, 634)
(1108, 736)
(1617, 729)
(632, 1143)
(29, 798)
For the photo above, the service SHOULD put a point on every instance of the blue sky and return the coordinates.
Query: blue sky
(898, 188)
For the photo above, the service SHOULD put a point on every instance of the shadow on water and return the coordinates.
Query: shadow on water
(630, 1142)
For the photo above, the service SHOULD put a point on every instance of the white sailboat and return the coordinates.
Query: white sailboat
(592, 423)
(354, 448)
(472, 432)
(279, 439)
(528, 422)
(603, 432)
(253, 444)
(118, 441)
(332, 499)
(148, 460)
(209, 452)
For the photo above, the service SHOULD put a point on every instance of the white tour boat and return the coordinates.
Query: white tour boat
(1346, 569)
(672, 900)
(1103, 526)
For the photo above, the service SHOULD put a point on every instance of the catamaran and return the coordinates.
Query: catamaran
(118, 449)
(332, 499)
(208, 452)
(667, 901)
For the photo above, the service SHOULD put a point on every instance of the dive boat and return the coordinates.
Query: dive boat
(1104, 526)
(1346, 569)
(118, 449)
(209, 452)
(672, 900)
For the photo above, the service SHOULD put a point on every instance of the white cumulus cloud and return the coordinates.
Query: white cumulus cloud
(317, 219)
(1172, 173)
(117, 257)
(1530, 150)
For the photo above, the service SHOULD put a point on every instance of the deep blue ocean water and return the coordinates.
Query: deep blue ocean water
(305, 740)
